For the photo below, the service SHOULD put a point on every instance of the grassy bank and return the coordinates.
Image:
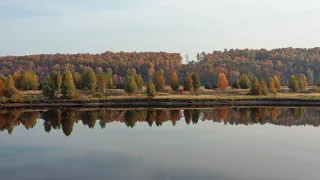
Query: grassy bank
(168, 98)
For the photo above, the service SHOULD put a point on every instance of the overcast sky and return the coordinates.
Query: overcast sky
(183, 26)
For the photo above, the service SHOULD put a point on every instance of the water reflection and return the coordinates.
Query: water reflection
(65, 119)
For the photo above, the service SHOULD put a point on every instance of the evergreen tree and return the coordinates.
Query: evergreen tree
(11, 91)
(49, 87)
(293, 84)
(151, 90)
(159, 80)
(102, 81)
(272, 86)
(264, 88)
(174, 81)
(105, 81)
(89, 80)
(222, 81)
(139, 81)
(68, 89)
(110, 82)
(255, 87)
(302, 82)
(236, 85)
(77, 78)
(276, 82)
(28, 81)
(57, 79)
(130, 84)
(244, 81)
(196, 81)
(310, 76)
(2, 88)
(188, 83)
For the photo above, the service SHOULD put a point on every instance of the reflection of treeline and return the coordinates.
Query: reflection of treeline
(65, 119)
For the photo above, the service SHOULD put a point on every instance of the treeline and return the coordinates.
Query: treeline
(261, 63)
(145, 64)
(66, 85)
(65, 119)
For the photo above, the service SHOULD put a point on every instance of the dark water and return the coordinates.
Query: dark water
(160, 144)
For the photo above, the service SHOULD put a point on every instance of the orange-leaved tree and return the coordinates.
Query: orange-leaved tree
(222, 81)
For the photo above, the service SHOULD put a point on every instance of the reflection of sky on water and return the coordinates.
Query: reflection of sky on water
(206, 150)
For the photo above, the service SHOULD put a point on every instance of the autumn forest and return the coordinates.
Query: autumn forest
(264, 71)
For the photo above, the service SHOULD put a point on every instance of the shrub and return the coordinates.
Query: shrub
(78, 95)
(196, 81)
(174, 81)
(131, 85)
(236, 85)
(151, 90)
(96, 94)
(15, 98)
(188, 83)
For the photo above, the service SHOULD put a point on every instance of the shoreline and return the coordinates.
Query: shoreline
(164, 103)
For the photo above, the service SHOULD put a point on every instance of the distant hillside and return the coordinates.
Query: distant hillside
(261, 63)
(144, 63)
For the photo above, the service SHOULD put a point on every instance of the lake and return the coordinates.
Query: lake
(237, 143)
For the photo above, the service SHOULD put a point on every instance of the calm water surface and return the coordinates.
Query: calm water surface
(160, 144)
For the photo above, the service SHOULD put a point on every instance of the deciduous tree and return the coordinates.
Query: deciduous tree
(159, 81)
(264, 88)
(89, 80)
(151, 90)
(196, 81)
(222, 81)
(49, 87)
(255, 87)
(244, 81)
(174, 81)
(188, 83)
(272, 86)
(276, 82)
(130, 84)
(293, 84)
(68, 89)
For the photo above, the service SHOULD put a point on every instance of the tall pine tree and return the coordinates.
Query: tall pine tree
(68, 89)
(264, 88)
(188, 83)
(196, 81)
(174, 81)
(222, 81)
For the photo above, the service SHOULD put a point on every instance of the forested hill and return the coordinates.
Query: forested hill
(119, 63)
(261, 63)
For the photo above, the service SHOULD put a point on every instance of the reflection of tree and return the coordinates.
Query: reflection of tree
(298, 113)
(256, 115)
(67, 121)
(187, 116)
(151, 116)
(102, 124)
(274, 113)
(89, 118)
(195, 116)
(66, 118)
(263, 116)
(52, 119)
(130, 118)
(244, 114)
(175, 115)
(160, 117)
(223, 114)
(29, 119)
(12, 119)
